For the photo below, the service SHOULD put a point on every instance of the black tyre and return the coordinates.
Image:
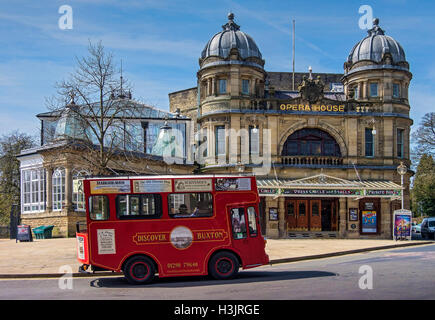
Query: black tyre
(139, 270)
(423, 235)
(223, 265)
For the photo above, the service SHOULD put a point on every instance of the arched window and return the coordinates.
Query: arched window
(58, 181)
(311, 142)
(78, 196)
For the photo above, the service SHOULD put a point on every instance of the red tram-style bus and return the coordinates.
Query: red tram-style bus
(171, 225)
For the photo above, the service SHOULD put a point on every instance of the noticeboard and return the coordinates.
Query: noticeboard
(24, 233)
(369, 222)
(402, 223)
(110, 186)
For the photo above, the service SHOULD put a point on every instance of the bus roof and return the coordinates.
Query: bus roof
(192, 176)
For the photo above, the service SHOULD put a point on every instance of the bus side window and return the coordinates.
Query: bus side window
(190, 205)
(99, 208)
(143, 206)
(238, 223)
(134, 205)
(252, 222)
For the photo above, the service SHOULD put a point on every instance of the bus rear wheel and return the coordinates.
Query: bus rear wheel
(223, 265)
(139, 270)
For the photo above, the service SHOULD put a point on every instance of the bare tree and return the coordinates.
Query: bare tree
(95, 107)
(10, 146)
(424, 138)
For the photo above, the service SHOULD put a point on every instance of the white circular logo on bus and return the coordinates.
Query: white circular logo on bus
(181, 237)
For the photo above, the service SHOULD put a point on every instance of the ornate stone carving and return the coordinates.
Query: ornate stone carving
(311, 90)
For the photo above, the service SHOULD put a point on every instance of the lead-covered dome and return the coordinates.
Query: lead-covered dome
(231, 37)
(376, 47)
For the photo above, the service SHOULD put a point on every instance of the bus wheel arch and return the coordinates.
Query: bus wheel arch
(224, 264)
(139, 269)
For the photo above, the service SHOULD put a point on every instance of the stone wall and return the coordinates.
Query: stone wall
(183, 100)
(64, 224)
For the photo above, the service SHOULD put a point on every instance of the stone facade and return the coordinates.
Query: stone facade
(365, 127)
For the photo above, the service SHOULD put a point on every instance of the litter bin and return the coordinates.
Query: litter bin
(43, 232)
(39, 232)
(47, 232)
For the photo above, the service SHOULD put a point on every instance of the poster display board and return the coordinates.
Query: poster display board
(353, 214)
(152, 186)
(369, 222)
(402, 223)
(106, 241)
(273, 214)
(110, 186)
(24, 233)
(193, 185)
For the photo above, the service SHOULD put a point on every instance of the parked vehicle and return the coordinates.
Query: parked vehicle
(171, 225)
(428, 228)
(416, 228)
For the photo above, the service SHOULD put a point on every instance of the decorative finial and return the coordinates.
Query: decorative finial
(231, 25)
(376, 30)
(310, 70)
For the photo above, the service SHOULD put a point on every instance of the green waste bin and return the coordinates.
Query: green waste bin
(47, 232)
(43, 232)
(39, 232)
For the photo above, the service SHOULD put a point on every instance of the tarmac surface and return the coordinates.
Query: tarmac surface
(48, 257)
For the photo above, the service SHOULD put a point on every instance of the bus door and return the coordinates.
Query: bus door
(246, 235)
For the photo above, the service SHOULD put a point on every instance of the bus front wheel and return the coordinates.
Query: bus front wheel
(139, 270)
(223, 265)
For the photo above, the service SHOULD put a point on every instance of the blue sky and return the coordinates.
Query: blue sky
(160, 42)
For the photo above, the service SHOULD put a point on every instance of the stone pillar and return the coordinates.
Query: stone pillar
(342, 214)
(386, 219)
(271, 226)
(234, 143)
(281, 214)
(364, 90)
(208, 87)
(68, 189)
(213, 86)
(49, 188)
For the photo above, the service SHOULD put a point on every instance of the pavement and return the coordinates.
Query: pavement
(54, 257)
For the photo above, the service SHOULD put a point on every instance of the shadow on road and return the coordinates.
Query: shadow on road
(199, 281)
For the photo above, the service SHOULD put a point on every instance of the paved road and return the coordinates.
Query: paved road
(397, 274)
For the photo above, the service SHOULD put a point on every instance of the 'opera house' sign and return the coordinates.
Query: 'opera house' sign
(313, 108)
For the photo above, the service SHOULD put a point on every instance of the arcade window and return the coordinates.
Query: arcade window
(245, 86)
(356, 93)
(396, 90)
(202, 144)
(369, 143)
(400, 143)
(78, 196)
(311, 142)
(222, 86)
(58, 191)
(374, 90)
(220, 140)
(254, 141)
(33, 190)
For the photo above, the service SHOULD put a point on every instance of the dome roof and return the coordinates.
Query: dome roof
(375, 46)
(231, 37)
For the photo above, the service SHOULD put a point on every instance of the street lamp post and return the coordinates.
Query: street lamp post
(402, 169)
